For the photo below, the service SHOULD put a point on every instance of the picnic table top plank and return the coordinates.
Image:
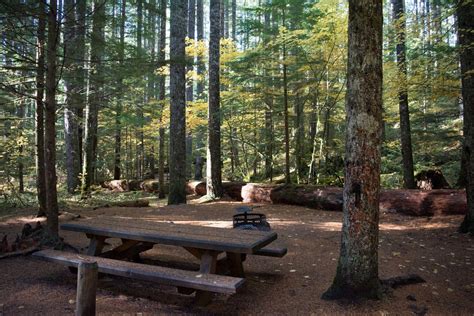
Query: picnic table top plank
(211, 238)
(171, 226)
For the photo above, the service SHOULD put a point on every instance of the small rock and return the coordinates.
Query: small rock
(420, 311)
(411, 297)
(72, 301)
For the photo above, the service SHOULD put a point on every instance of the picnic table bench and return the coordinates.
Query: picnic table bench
(204, 243)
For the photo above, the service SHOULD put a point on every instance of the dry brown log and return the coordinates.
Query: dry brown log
(150, 186)
(196, 187)
(409, 202)
(22, 252)
(116, 185)
(424, 203)
(134, 185)
(231, 189)
(403, 280)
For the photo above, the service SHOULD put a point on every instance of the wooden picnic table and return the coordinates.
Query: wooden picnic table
(205, 243)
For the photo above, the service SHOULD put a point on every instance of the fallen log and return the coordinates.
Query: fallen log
(424, 203)
(231, 189)
(150, 186)
(116, 185)
(22, 252)
(135, 203)
(409, 202)
(196, 187)
(403, 280)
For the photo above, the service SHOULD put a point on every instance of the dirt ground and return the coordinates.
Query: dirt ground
(292, 285)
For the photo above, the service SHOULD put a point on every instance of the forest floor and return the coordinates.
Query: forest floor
(429, 247)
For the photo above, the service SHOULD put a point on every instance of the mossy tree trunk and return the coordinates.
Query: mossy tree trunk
(357, 271)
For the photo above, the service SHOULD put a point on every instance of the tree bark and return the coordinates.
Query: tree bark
(405, 131)
(234, 20)
(70, 119)
(50, 122)
(161, 98)
(300, 165)
(118, 111)
(39, 119)
(96, 98)
(213, 163)
(80, 76)
(177, 161)
(140, 146)
(191, 35)
(465, 13)
(200, 36)
(190, 88)
(285, 113)
(357, 270)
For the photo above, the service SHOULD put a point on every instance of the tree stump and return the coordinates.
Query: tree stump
(431, 180)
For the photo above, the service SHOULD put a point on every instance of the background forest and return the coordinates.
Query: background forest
(282, 79)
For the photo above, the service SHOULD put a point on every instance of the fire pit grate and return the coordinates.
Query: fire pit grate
(251, 221)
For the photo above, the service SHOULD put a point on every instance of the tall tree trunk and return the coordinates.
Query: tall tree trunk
(221, 19)
(80, 76)
(72, 99)
(226, 17)
(96, 98)
(140, 147)
(118, 110)
(191, 35)
(405, 132)
(190, 88)
(285, 113)
(200, 36)
(234, 20)
(21, 116)
(299, 141)
(50, 122)
(161, 98)
(268, 103)
(39, 119)
(357, 270)
(177, 157)
(152, 21)
(213, 164)
(465, 14)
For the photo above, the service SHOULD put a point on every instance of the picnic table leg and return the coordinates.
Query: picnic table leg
(208, 265)
(96, 245)
(86, 288)
(129, 249)
(235, 264)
